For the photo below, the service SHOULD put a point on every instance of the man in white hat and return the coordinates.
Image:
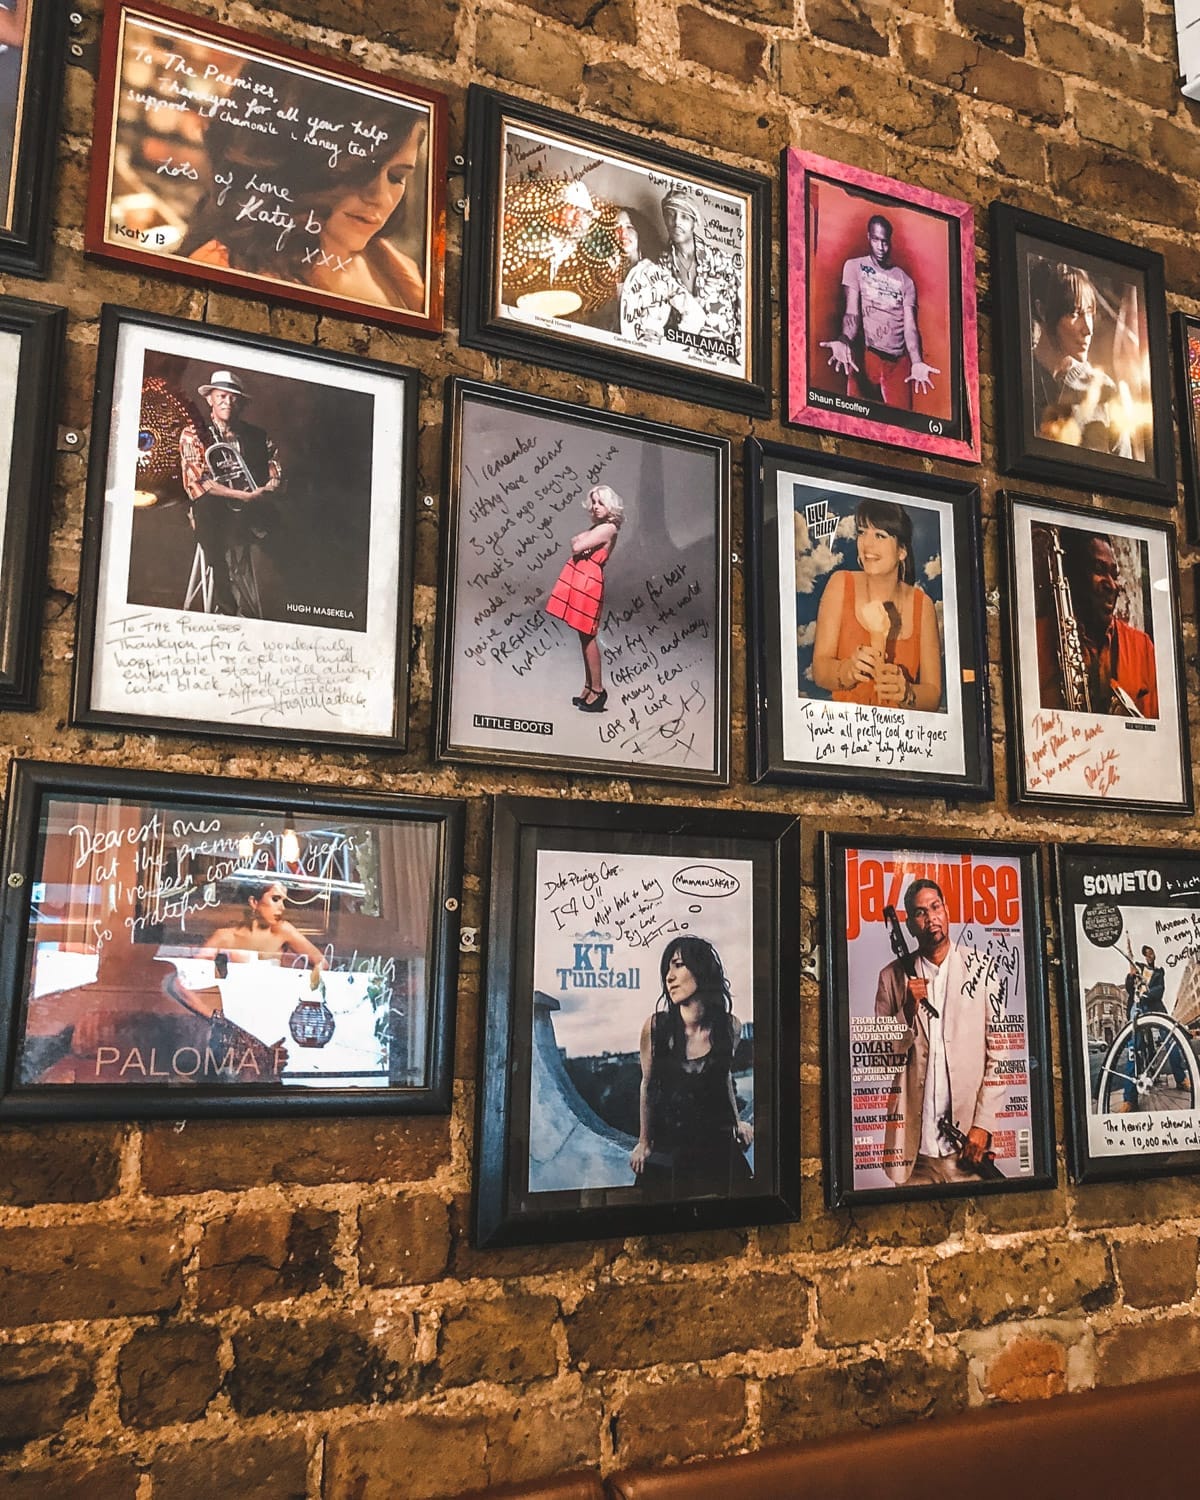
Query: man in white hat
(229, 468)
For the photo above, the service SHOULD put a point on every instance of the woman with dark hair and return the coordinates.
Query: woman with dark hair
(263, 933)
(1074, 401)
(311, 204)
(877, 633)
(691, 1142)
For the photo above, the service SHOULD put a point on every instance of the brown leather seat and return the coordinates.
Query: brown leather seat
(1136, 1440)
(584, 1485)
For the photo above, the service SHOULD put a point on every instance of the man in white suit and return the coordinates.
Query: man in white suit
(950, 1071)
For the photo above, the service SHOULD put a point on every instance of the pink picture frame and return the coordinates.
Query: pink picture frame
(881, 327)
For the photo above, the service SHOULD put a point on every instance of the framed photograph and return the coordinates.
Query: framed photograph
(641, 1057)
(1097, 701)
(32, 37)
(248, 538)
(869, 662)
(615, 257)
(31, 339)
(880, 331)
(1187, 391)
(585, 591)
(194, 946)
(937, 1052)
(1083, 377)
(243, 161)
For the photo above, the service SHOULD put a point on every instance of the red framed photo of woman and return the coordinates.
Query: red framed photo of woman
(224, 157)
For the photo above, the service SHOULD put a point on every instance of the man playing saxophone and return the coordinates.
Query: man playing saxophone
(1089, 659)
(229, 468)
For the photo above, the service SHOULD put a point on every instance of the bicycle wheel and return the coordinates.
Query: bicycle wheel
(1141, 1077)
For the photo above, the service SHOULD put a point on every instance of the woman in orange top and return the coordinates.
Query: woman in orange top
(877, 634)
(578, 596)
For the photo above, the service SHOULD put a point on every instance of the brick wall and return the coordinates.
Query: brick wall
(293, 1308)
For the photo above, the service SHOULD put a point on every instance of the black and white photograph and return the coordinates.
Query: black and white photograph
(1099, 711)
(231, 158)
(635, 952)
(868, 666)
(1084, 375)
(584, 620)
(607, 253)
(1130, 925)
(250, 515)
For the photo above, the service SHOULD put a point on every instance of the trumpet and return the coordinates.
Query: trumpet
(227, 466)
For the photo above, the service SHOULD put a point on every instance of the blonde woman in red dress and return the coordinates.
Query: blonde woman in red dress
(578, 597)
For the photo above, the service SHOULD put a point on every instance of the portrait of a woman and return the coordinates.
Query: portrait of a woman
(877, 637)
(578, 594)
(691, 1140)
(1075, 401)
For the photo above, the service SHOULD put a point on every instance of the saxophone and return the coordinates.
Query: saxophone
(1072, 663)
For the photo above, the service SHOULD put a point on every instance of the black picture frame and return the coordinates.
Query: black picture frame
(1185, 331)
(30, 138)
(112, 880)
(595, 879)
(729, 363)
(1128, 898)
(326, 559)
(800, 735)
(1084, 757)
(1125, 286)
(993, 920)
(33, 360)
(520, 471)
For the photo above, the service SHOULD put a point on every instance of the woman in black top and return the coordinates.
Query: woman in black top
(690, 1141)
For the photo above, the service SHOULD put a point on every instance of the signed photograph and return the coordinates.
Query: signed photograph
(1083, 378)
(32, 38)
(584, 621)
(1130, 926)
(184, 946)
(248, 546)
(868, 666)
(636, 1025)
(937, 1061)
(222, 156)
(31, 344)
(880, 329)
(614, 256)
(1098, 711)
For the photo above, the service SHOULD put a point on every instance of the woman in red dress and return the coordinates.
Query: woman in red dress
(578, 596)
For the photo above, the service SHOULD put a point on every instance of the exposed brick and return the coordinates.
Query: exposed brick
(1126, 17)
(523, 51)
(614, 19)
(536, 1439)
(865, 1303)
(1099, 117)
(622, 1327)
(506, 1340)
(1152, 1201)
(109, 1271)
(517, 1260)
(723, 46)
(403, 1241)
(79, 1479)
(59, 1163)
(264, 1255)
(656, 1423)
(990, 1286)
(1157, 1273)
(1011, 1212)
(261, 1468)
(408, 28)
(770, 12)
(1028, 1370)
(1148, 1351)
(998, 23)
(1130, 189)
(418, 1456)
(1063, 46)
(859, 91)
(692, 110)
(1173, 146)
(280, 1365)
(859, 24)
(945, 58)
(41, 1387)
(230, 1154)
(873, 1393)
(168, 1375)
